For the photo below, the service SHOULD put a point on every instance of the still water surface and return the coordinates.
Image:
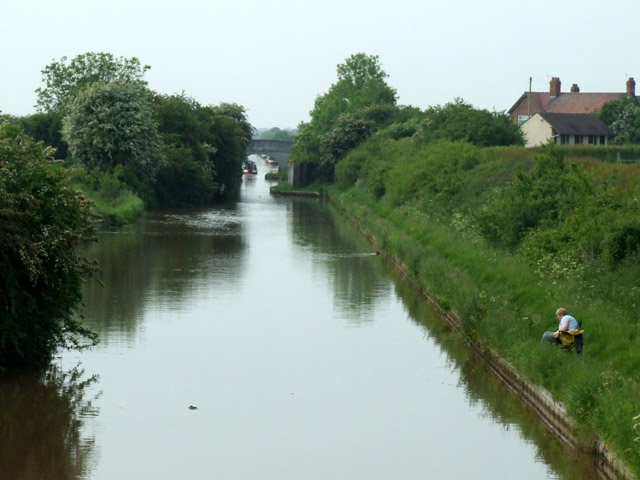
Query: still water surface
(306, 357)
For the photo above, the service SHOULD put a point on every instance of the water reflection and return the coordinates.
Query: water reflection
(42, 416)
(164, 260)
(357, 289)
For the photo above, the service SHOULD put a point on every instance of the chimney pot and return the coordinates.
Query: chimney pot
(575, 88)
(554, 86)
(631, 87)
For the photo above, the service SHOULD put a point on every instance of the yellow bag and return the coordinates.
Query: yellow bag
(566, 338)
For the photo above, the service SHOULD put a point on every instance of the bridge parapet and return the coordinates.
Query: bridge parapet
(278, 149)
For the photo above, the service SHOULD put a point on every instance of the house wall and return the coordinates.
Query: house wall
(536, 131)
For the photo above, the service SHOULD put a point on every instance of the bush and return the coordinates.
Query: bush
(42, 219)
(622, 241)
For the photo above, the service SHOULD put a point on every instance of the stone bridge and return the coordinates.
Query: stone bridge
(278, 149)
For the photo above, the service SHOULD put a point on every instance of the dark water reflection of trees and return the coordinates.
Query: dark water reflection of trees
(356, 287)
(41, 420)
(161, 259)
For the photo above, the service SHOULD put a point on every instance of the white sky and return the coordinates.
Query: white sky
(274, 57)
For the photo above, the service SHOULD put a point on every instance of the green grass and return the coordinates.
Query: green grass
(112, 201)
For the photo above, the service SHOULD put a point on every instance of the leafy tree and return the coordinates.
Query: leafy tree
(610, 110)
(63, 79)
(204, 147)
(46, 127)
(186, 179)
(361, 84)
(277, 134)
(459, 121)
(42, 220)
(111, 124)
(623, 117)
(626, 125)
(351, 129)
(228, 133)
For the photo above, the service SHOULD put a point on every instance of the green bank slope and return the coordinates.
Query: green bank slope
(502, 237)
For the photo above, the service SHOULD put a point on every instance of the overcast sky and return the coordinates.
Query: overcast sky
(274, 57)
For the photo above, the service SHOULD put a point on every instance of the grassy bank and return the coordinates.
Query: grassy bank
(504, 236)
(113, 202)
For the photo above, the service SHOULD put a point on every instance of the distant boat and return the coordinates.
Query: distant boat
(249, 168)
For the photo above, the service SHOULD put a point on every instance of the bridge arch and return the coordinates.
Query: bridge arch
(278, 149)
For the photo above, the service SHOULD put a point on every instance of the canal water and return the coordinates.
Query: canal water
(264, 340)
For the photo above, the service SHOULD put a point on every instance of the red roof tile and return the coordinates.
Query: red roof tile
(579, 102)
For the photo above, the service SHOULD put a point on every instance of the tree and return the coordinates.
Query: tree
(111, 124)
(42, 220)
(204, 147)
(186, 179)
(623, 117)
(64, 79)
(46, 127)
(459, 121)
(626, 126)
(351, 129)
(361, 84)
(228, 133)
(276, 133)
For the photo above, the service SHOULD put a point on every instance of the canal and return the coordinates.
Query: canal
(265, 340)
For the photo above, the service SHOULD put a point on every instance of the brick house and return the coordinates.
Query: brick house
(565, 129)
(556, 101)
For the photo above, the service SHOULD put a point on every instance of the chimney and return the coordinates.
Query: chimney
(631, 87)
(554, 89)
(575, 88)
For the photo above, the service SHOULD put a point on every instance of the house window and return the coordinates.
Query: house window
(564, 139)
(603, 141)
(579, 139)
(593, 139)
(522, 119)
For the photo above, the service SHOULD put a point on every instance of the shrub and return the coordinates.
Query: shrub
(42, 219)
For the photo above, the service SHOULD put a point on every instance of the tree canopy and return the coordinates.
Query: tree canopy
(276, 133)
(42, 219)
(361, 84)
(204, 147)
(111, 124)
(623, 117)
(63, 79)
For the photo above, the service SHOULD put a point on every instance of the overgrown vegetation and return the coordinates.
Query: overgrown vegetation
(623, 117)
(361, 103)
(42, 220)
(140, 150)
(355, 106)
(126, 149)
(502, 236)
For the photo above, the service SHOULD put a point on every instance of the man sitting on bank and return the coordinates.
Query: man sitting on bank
(568, 331)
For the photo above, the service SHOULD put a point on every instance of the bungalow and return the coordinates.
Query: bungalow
(556, 101)
(565, 129)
